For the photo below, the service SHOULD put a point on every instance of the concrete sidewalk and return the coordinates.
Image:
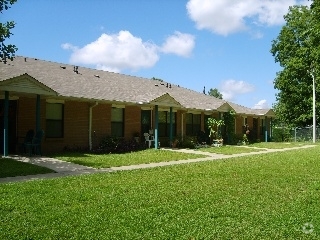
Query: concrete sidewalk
(63, 168)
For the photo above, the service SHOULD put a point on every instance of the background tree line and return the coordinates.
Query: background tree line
(297, 50)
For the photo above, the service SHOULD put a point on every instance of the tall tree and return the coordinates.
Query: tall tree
(6, 51)
(215, 93)
(297, 51)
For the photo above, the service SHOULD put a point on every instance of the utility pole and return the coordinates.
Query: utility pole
(313, 106)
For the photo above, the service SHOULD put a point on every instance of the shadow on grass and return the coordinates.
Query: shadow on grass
(13, 168)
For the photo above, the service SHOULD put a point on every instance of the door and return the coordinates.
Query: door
(255, 128)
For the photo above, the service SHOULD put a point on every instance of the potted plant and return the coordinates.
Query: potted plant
(245, 140)
(175, 143)
(136, 136)
(213, 126)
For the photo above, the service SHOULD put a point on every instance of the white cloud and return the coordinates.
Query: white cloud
(225, 17)
(230, 88)
(116, 52)
(180, 44)
(256, 34)
(121, 51)
(68, 46)
(262, 104)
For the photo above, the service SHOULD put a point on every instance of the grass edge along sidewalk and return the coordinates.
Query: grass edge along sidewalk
(66, 168)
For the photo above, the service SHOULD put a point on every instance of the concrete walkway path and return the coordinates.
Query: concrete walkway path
(63, 168)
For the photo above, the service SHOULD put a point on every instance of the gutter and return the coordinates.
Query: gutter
(90, 124)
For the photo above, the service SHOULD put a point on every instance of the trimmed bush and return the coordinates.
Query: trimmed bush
(118, 145)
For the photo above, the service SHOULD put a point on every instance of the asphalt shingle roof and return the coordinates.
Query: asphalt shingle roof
(101, 85)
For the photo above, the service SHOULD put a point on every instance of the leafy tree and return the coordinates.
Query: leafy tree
(215, 93)
(297, 50)
(229, 121)
(6, 51)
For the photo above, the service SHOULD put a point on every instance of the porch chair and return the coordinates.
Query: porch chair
(148, 139)
(35, 145)
(27, 140)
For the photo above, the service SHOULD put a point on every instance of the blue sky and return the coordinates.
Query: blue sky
(222, 44)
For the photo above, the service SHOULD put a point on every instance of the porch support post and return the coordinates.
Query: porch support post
(38, 114)
(182, 132)
(5, 125)
(156, 125)
(171, 126)
(266, 129)
(271, 122)
(90, 124)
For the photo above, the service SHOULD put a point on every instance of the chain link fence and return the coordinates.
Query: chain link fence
(305, 134)
(284, 134)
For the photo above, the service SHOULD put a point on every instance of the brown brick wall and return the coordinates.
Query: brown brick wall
(101, 122)
(26, 115)
(202, 121)
(250, 121)
(132, 123)
(178, 122)
(239, 124)
(76, 126)
(76, 122)
(215, 115)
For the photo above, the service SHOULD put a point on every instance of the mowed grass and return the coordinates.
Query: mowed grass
(229, 150)
(279, 145)
(268, 196)
(132, 158)
(255, 147)
(12, 168)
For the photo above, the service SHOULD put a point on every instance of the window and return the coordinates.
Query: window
(117, 122)
(193, 124)
(262, 127)
(145, 121)
(54, 120)
(164, 124)
(245, 121)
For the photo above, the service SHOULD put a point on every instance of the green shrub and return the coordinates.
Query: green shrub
(118, 145)
(188, 142)
(281, 134)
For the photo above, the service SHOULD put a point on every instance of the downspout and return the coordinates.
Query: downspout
(90, 124)
(182, 114)
(5, 125)
(171, 127)
(38, 113)
(156, 127)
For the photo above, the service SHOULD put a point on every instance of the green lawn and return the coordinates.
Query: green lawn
(115, 160)
(277, 145)
(12, 168)
(268, 196)
(229, 150)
